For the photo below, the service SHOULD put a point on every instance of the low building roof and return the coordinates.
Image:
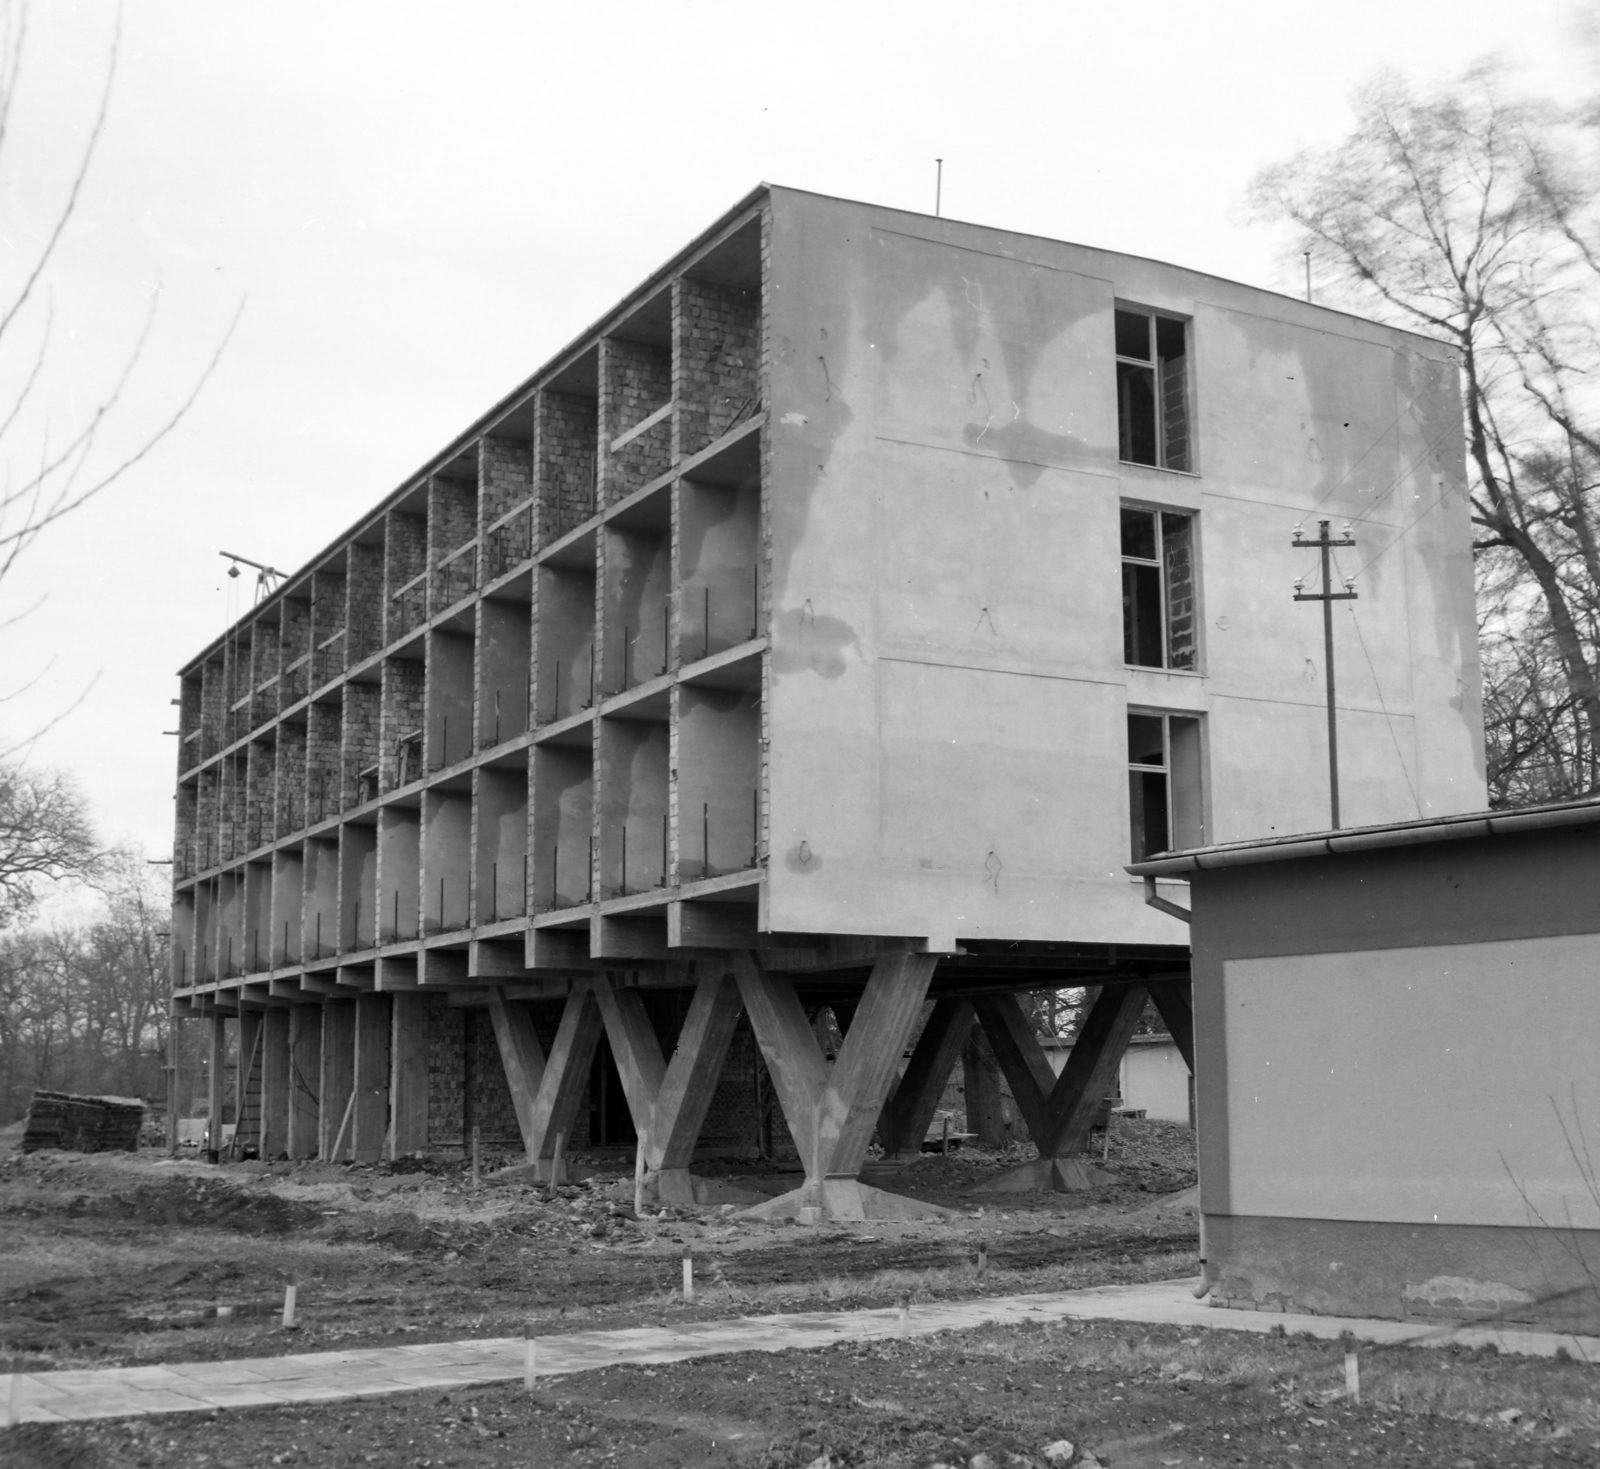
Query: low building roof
(1370, 838)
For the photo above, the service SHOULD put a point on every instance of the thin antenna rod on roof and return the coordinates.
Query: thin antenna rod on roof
(1307, 254)
(938, 186)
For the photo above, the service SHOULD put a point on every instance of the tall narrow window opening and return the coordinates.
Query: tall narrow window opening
(1158, 611)
(1152, 390)
(1165, 805)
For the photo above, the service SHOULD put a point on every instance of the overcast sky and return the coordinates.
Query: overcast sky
(418, 204)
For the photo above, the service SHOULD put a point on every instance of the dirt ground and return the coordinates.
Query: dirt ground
(120, 1259)
(125, 1259)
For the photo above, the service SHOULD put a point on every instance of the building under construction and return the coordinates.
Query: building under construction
(819, 635)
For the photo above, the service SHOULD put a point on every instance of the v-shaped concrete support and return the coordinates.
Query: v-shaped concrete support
(904, 1121)
(1175, 1005)
(1059, 1110)
(832, 1110)
(668, 1100)
(547, 1091)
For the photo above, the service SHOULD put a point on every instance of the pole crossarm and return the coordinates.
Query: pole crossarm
(1325, 544)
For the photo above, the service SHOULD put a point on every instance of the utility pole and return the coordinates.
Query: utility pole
(1327, 596)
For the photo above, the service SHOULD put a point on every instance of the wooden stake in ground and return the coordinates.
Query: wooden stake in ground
(344, 1128)
(983, 1259)
(474, 1158)
(1352, 1376)
(905, 1315)
(944, 1141)
(290, 1291)
(688, 1278)
(529, 1364)
(11, 1399)
(638, 1179)
(558, 1163)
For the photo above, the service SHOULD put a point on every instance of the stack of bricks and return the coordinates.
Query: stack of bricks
(568, 431)
(635, 380)
(364, 614)
(715, 368)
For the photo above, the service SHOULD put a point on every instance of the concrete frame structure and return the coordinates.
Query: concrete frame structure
(764, 652)
(1397, 1030)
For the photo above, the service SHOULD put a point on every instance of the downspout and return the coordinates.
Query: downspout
(1182, 914)
(1203, 1286)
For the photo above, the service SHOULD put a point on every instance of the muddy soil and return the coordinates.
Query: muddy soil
(125, 1259)
(996, 1398)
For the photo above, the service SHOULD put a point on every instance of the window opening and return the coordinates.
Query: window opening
(1158, 612)
(1152, 389)
(1164, 785)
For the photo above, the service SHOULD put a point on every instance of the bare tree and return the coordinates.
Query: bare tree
(1471, 216)
(45, 837)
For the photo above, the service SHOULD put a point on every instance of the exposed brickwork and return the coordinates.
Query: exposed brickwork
(403, 703)
(261, 771)
(364, 601)
(452, 516)
(205, 818)
(363, 707)
(405, 550)
(489, 1105)
(291, 783)
(213, 706)
(509, 545)
(716, 362)
(184, 853)
(506, 475)
(568, 440)
(635, 380)
(446, 1074)
(324, 734)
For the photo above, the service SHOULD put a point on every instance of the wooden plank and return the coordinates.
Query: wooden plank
(216, 1081)
(274, 1083)
(305, 1078)
(370, 1122)
(909, 1109)
(337, 1088)
(408, 1071)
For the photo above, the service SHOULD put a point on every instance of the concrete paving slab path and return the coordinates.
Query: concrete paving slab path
(318, 1377)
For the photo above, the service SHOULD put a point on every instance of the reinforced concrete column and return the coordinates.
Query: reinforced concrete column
(832, 1112)
(668, 1101)
(408, 1073)
(1060, 1110)
(369, 1124)
(305, 1079)
(274, 1083)
(337, 1092)
(547, 1091)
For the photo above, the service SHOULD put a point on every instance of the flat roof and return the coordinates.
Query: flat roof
(1583, 812)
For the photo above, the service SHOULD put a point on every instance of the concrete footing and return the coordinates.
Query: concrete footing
(681, 1187)
(844, 1198)
(1047, 1175)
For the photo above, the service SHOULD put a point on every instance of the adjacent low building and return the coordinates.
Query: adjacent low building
(1396, 1033)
